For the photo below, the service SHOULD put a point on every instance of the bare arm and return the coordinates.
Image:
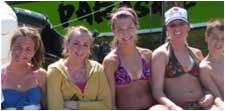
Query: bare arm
(159, 59)
(110, 65)
(42, 77)
(207, 100)
(207, 80)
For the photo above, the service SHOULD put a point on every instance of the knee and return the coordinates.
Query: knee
(158, 107)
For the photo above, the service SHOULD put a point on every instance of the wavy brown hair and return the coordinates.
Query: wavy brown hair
(39, 50)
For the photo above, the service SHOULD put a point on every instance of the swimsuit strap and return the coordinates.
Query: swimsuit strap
(172, 57)
(145, 68)
(3, 75)
(173, 68)
(121, 75)
(194, 57)
(117, 53)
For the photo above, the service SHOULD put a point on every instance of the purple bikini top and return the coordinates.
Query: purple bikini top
(121, 75)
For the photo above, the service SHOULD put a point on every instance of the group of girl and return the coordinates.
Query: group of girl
(174, 76)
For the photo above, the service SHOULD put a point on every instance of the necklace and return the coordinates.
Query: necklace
(18, 86)
(78, 76)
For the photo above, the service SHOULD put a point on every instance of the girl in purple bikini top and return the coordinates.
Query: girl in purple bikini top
(121, 75)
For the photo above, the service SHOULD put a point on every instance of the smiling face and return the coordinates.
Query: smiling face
(125, 30)
(79, 45)
(22, 50)
(178, 30)
(215, 41)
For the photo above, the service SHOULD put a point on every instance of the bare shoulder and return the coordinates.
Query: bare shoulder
(41, 75)
(160, 51)
(197, 52)
(111, 58)
(145, 52)
(42, 71)
(110, 62)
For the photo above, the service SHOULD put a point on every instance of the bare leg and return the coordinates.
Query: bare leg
(158, 107)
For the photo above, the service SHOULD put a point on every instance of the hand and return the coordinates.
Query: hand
(70, 104)
(206, 101)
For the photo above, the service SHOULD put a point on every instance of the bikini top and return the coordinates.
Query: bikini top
(29, 99)
(175, 69)
(121, 75)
